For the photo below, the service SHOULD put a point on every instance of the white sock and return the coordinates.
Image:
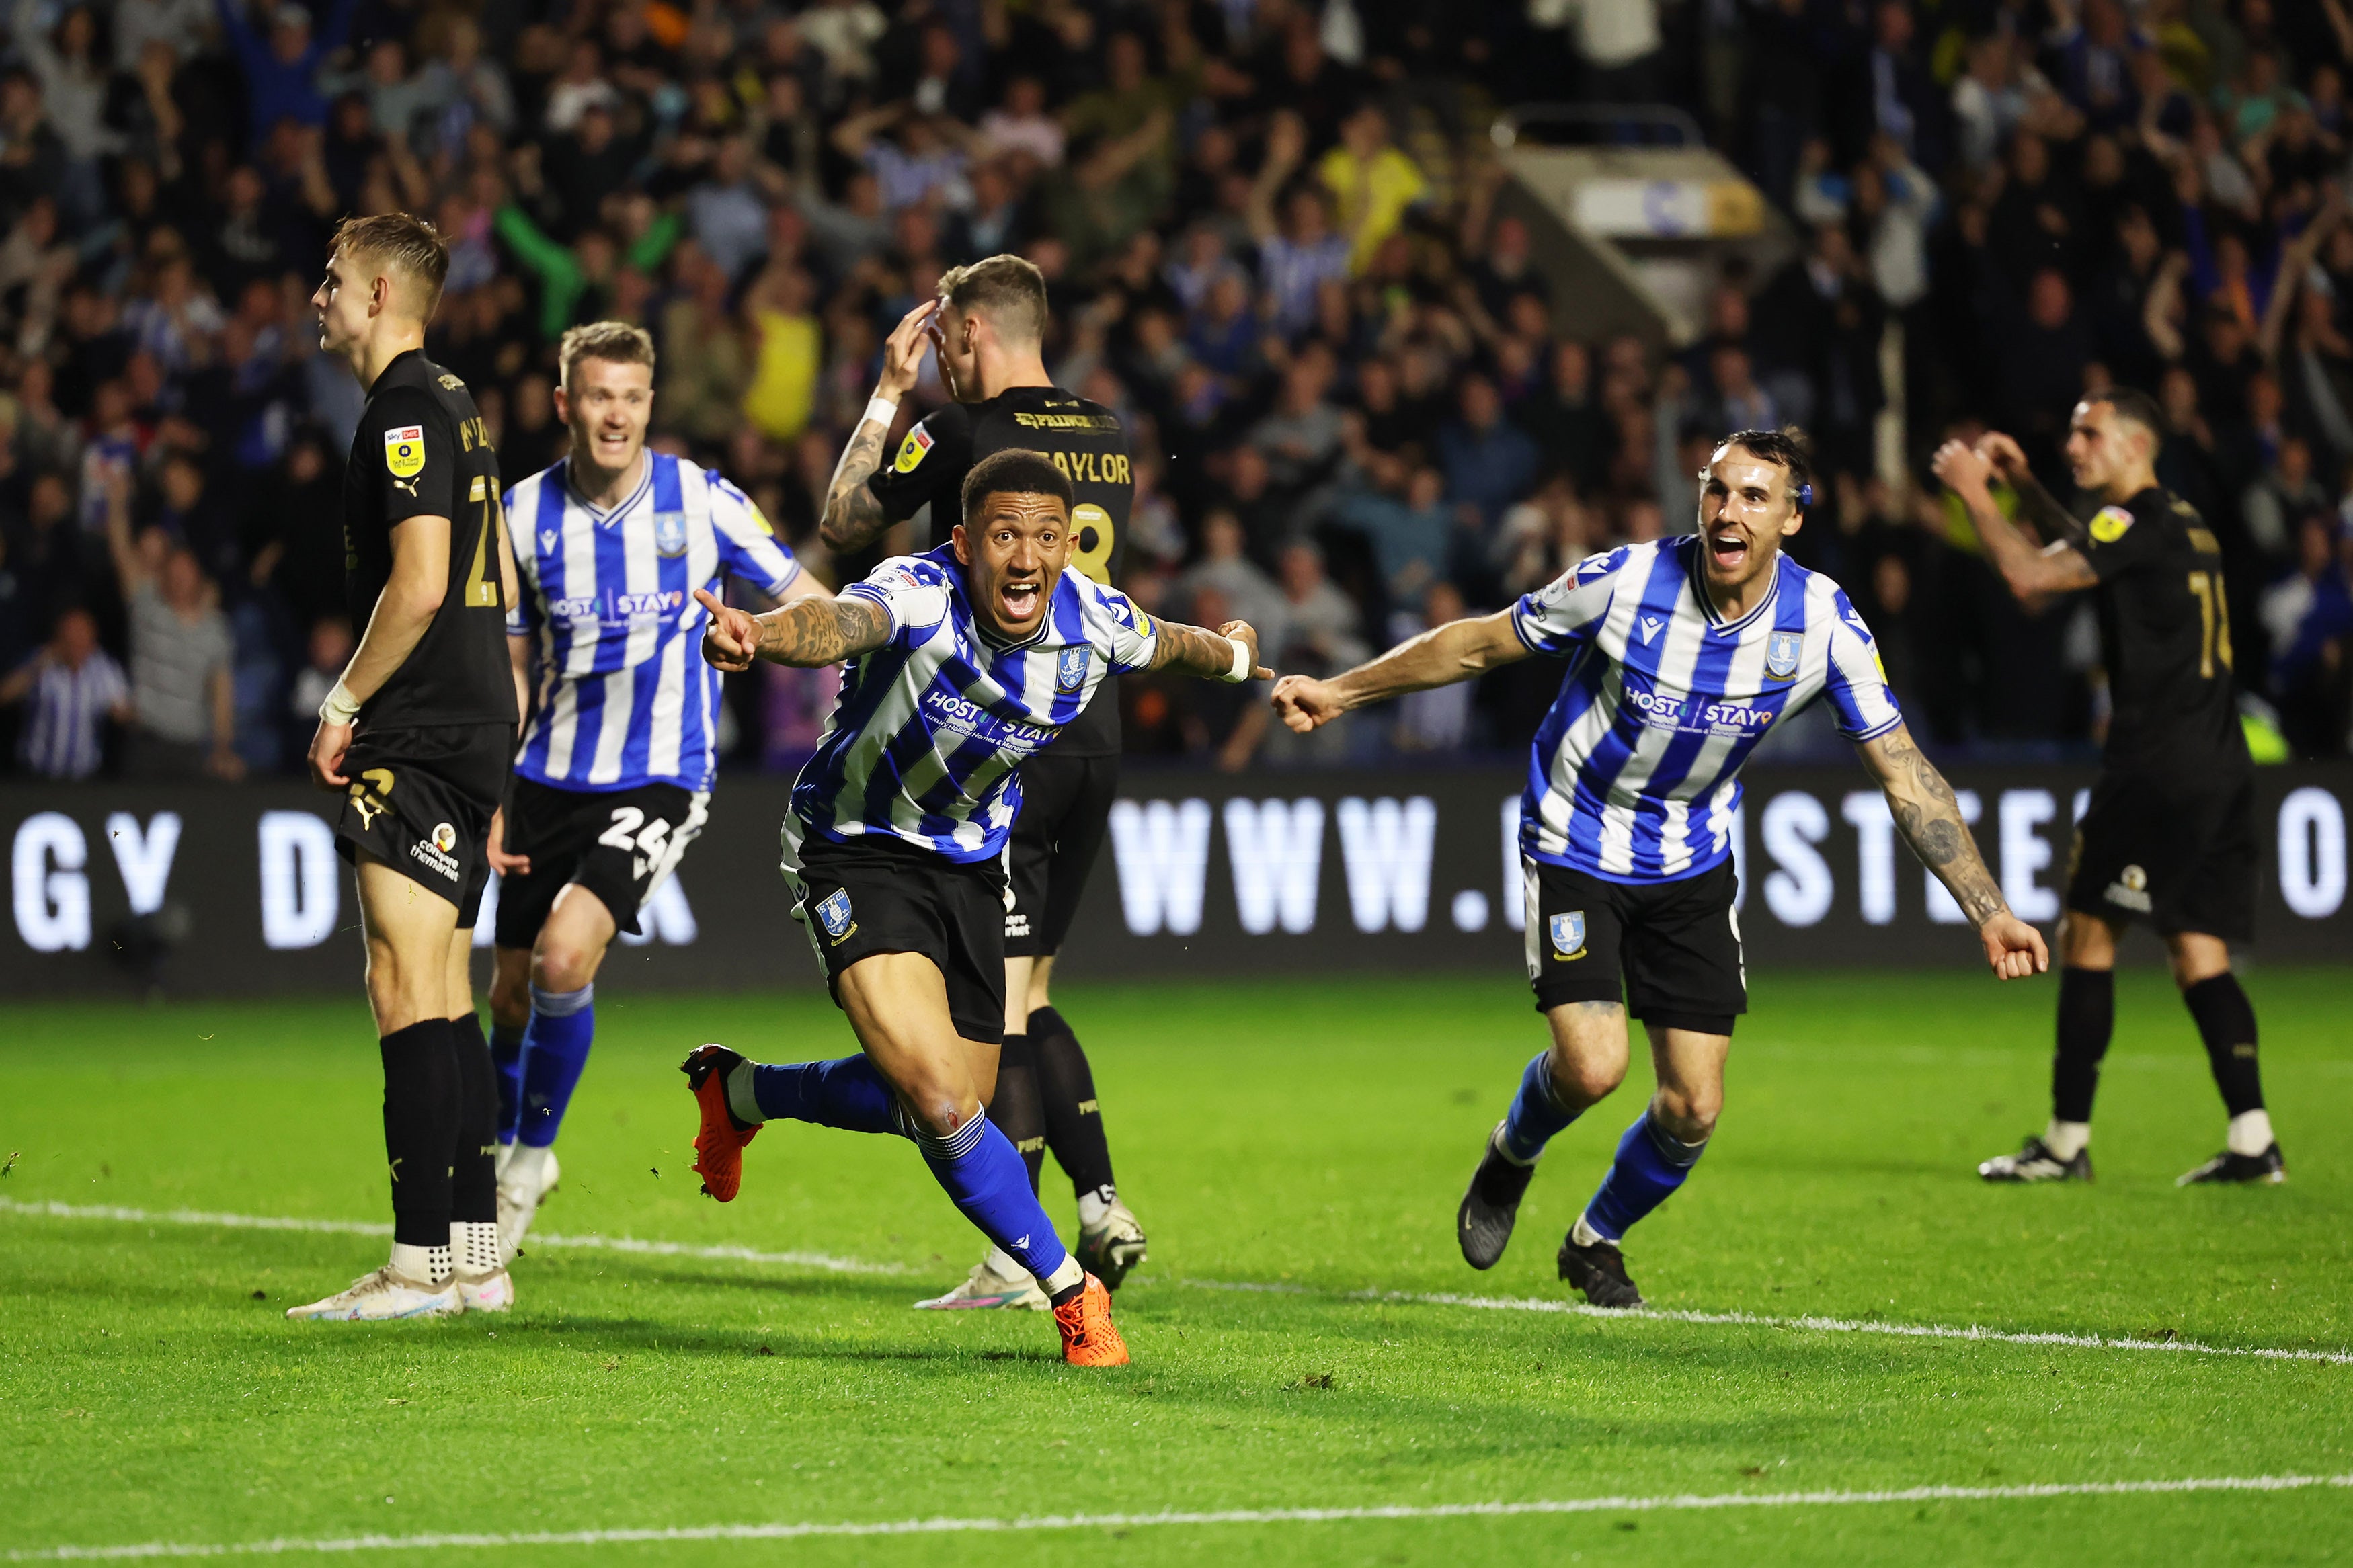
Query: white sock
(527, 1166)
(2066, 1139)
(2251, 1132)
(1502, 1149)
(1063, 1279)
(739, 1098)
(1094, 1207)
(474, 1246)
(1584, 1234)
(424, 1265)
(1001, 1263)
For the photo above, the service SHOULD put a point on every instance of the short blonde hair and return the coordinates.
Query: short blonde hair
(1008, 289)
(406, 246)
(615, 341)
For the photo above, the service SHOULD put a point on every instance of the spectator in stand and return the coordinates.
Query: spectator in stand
(184, 704)
(1225, 568)
(1373, 183)
(2308, 617)
(1297, 256)
(282, 71)
(72, 690)
(1489, 461)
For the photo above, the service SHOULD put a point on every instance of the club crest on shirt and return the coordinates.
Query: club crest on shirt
(912, 450)
(833, 912)
(1782, 651)
(669, 533)
(403, 450)
(1568, 936)
(2108, 524)
(1071, 668)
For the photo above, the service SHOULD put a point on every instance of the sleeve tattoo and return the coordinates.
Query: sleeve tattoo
(1930, 816)
(1190, 650)
(811, 632)
(852, 516)
(2053, 522)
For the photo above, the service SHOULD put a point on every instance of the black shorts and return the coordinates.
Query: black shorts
(2176, 852)
(1065, 808)
(620, 845)
(420, 801)
(1677, 944)
(879, 894)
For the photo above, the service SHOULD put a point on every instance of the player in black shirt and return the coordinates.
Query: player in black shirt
(417, 736)
(2170, 833)
(987, 325)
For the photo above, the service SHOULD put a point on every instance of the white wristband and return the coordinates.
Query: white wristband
(1241, 669)
(881, 411)
(340, 706)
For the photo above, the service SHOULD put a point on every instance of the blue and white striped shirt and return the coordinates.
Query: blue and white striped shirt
(64, 734)
(929, 728)
(624, 695)
(1634, 775)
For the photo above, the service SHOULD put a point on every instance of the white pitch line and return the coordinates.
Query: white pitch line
(824, 1260)
(1671, 1503)
(833, 1264)
(1756, 1320)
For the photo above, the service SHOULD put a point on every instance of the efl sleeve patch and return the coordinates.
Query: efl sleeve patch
(913, 449)
(403, 450)
(2109, 523)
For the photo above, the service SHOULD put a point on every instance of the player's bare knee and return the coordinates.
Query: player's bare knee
(563, 966)
(2085, 942)
(1687, 1115)
(1583, 1076)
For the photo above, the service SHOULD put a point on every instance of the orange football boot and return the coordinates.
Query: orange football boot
(1089, 1336)
(719, 1147)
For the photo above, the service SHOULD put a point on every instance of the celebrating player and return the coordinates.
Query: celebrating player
(963, 662)
(616, 764)
(2170, 836)
(1682, 653)
(419, 733)
(988, 323)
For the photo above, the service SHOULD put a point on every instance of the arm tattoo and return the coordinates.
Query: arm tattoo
(1189, 650)
(811, 632)
(852, 516)
(1930, 816)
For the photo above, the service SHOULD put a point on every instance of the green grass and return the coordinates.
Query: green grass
(1315, 1135)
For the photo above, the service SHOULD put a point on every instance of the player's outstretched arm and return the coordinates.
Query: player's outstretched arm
(853, 518)
(1929, 817)
(1968, 471)
(1459, 650)
(807, 633)
(1210, 655)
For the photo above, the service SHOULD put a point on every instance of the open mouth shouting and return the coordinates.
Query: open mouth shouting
(612, 445)
(1018, 600)
(1727, 547)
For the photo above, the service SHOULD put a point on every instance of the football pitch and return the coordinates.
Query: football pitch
(2154, 1373)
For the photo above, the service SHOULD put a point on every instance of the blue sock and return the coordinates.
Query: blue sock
(1534, 1116)
(984, 1174)
(849, 1092)
(506, 1056)
(1649, 1165)
(554, 1050)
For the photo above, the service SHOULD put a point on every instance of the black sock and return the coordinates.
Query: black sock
(420, 1129)
(2087, 1016)
(474, 1182)
(1016, 1111)
(2226, 1021)
(1074, 1129)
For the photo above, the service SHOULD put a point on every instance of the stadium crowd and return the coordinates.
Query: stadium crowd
(1272, 239)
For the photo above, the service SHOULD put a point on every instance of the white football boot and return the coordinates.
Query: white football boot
(995, 1281)
(493, 1292)
(526, 1179)
(382, 1297)
(1111, 1246)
